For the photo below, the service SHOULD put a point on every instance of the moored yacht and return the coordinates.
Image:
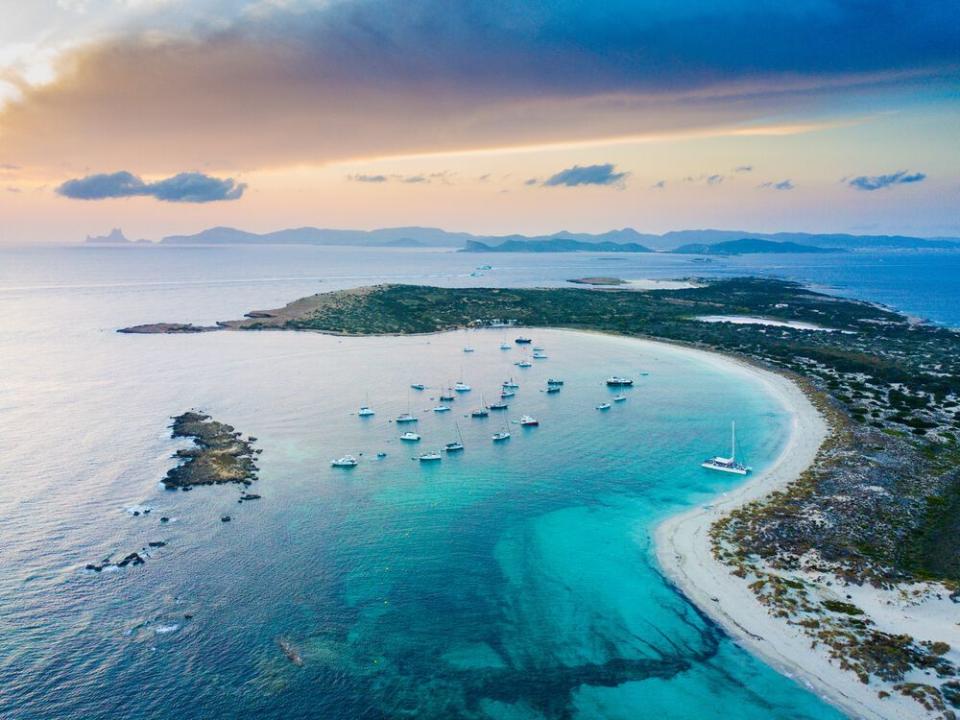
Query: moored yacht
(461, 387)
(510, 384)
(365, 411)
(504, 346)
(430, 457)
(456, 445)
(441, 409)
(523, 363)
(523, 340)
(620, 398)
(727, 464)
(345, 461)
(539, 355)
(468, 349)
(603, 406)
(410, 437)
(553, 389)
(554, 381)
(528, 421)
(406, 418)
(418, 386)
(499, 406)
(507, 393)
(500, 436)
(619, 381)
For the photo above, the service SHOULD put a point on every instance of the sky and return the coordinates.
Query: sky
(169, 116)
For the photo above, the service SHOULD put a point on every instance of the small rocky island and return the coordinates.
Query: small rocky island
(220, 454)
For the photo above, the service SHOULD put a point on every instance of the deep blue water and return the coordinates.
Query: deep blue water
(516, 581)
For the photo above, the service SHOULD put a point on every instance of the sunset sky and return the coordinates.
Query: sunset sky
(168, 116)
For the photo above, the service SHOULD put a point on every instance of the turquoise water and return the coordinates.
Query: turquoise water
(512, 581)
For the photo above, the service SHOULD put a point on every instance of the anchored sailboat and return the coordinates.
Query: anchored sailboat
(727, 464)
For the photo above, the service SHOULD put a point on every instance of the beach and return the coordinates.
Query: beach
(685, 556)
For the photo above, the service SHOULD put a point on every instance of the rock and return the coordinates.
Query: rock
(157, 544)
(164, 519)
(131, 559)
(224, 518)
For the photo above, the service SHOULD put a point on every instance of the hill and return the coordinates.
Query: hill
(555, 245)
(748, 246)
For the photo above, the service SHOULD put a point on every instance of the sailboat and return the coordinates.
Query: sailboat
(510, 384)
(410, 437)
(365, 409)
(727, 464)
(407, 417)
(501, 435)
(456, 445)
(482, 411)
(433, 456)
(447, 395)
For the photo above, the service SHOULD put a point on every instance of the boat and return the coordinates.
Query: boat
(523, 340)
(528, 421)
(441, 409)
(727, 464)
(468, 349)
(418, 386)
(480, 412)
(485, 267)
(539, 356)
(554, 381)
(618, 381)
(620, 398)
(345, 461)
(499, 406)
(461, 387)
(456, 445)
(510, 384)
(406, 418)
(448, 396)
(504, 346)
(537, 349)
(507, 393)
(430, 457)
(500, 436)
(410, 437)
(603, 406)
(365, 411)
(523, 364)
(553, 389)
(381, 454)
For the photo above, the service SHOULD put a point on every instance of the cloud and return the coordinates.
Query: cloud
(714, 179)
(743, 169)
(191, 187)
(659, 185)
(782, 185)
(879, 182)
(444, 177)
(368, 178)
(587, 175)
(374, 78)
(531, 181)
(9, 166)
(12, 189)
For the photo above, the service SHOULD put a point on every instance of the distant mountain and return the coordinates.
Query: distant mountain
(435, 237)
(555, 245)
(114, 237)
(747, 246)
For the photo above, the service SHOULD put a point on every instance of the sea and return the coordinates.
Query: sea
(513, 580)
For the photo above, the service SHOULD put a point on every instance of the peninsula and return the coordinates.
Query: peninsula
(846, 556)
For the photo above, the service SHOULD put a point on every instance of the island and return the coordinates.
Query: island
(219, 454)
(599, 281)
(842, 563)
(750, 246)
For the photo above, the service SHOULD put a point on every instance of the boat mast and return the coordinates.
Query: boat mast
(733, 439)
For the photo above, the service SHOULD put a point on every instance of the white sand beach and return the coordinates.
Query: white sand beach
(685, 556)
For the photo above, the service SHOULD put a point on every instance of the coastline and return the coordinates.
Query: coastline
(685, 557)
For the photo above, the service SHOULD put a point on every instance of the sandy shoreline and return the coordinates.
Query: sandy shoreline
(684, 554)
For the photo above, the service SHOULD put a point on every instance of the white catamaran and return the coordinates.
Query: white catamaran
(727, 464)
